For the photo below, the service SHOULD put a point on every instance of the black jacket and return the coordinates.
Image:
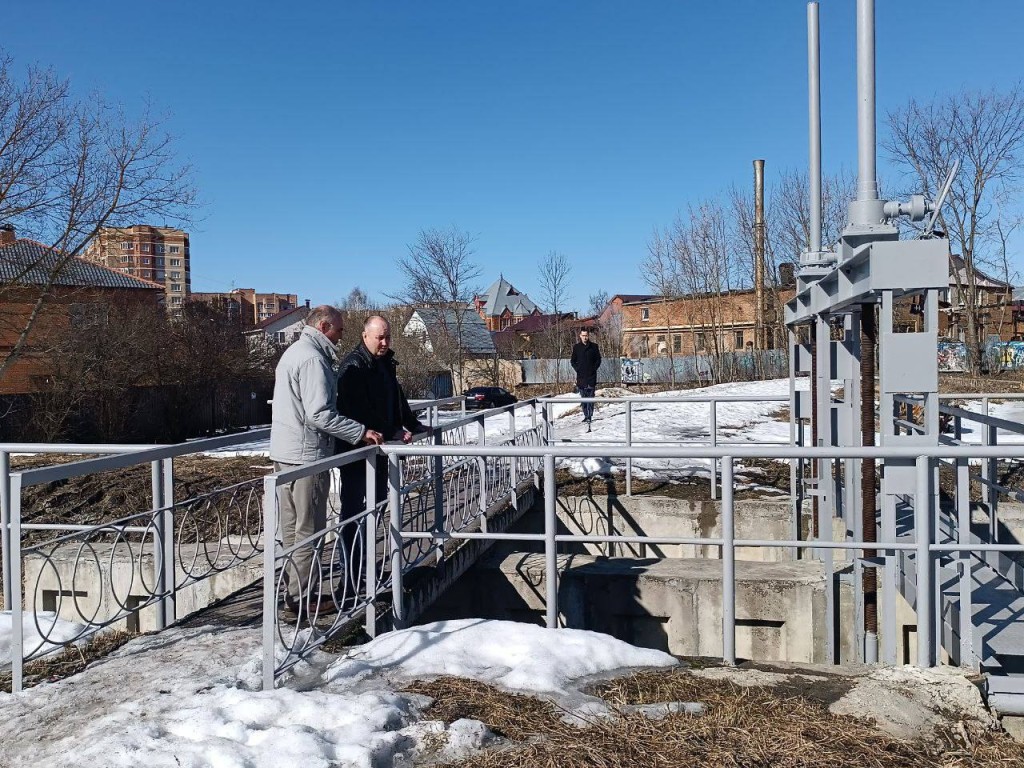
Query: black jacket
(585, 360)
(368, 391)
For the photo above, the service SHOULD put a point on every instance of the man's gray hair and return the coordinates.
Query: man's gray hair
(321, 313)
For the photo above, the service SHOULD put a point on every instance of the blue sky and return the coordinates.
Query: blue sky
(326, 135)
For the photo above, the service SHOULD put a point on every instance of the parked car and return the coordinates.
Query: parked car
(488, 397)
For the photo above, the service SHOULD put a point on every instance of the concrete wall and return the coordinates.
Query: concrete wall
(95, 585)
(671, 604)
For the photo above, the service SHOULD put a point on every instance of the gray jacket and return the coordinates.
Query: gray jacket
(305, 418)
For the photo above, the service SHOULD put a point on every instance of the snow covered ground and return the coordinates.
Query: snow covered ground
(190, 697)
(35, 626)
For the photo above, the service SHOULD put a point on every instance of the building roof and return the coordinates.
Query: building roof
(627, 298)
(502, 295)
(957, 267)
(289, 316)
(476, 339)
(27, 262)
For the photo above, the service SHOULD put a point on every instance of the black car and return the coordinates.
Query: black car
(488, 397)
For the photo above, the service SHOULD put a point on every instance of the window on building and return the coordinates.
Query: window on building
(175, 262)
(699, 342)
(126, 259)
(176, 301)
(645, 314)
(176, 287)
(737, 341)
(159, 249)
(279, 337)
(175, 249)
(126, 270)
(677, 343)
(126, 245)
(159, 276)
(145, 260)
(158, 262)
(175, 275)
(145, 247)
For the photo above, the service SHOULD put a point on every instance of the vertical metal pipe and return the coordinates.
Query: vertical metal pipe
(156, 481)
(922, 530)
(867, 183)
(270, 515)
(963, 525)
(759, 330)
(170, 566)
(815, 463)
(814, 125)
(869, 501)
(437, 467)
(713, 428)
(370, 545)
(395, 528)
(5, 522)
(728, 566)
(550, 546)
(17, 621)
(629, 443)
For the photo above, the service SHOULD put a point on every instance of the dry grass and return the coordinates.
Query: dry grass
(741, 726)
(72, 660)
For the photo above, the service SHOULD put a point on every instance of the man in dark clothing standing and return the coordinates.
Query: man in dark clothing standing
(585, 360)
(368, 385)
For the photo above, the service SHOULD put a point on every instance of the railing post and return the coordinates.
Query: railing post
(513, 477)
(728, 566)
(170, 605)
(481, 464)
(437, 463)
(370, 544)
(270, 517)
(963, 517)
(629, 444)
(395, 508)
(159, 550)
(17, 620)
(993, 493)
(922, 532)
(550, 546)
(713, 422)
(5, 522)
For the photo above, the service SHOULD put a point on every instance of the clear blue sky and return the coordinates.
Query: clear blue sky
(325, 135)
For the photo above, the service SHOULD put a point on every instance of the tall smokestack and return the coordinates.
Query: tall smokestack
(759, 329)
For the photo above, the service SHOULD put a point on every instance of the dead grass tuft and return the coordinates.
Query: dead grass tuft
(742, 726)
(70, 661)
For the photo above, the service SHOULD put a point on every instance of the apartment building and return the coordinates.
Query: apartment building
(157, 254)
(248, 306)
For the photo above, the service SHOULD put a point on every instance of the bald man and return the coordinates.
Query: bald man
(369, 392)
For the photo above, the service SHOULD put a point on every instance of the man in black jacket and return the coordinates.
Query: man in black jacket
(585, 360)
(368, 386)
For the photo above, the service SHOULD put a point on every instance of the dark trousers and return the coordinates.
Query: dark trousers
(353, 502)
(588, 408)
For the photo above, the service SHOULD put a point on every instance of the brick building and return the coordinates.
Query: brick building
(248, 306)
(79, 290)
(156, 254)
(700, 324)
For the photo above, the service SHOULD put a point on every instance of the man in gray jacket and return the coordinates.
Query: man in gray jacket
(304, 426)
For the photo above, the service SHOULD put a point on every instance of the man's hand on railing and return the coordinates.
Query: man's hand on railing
(372, 437)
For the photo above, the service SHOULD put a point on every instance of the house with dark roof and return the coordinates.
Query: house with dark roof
(502, 305)
(59, 291)
(278, 330)
(437, 327)
(522, 340)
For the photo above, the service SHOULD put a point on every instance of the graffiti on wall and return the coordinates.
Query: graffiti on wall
(952, 356)
(999, 355)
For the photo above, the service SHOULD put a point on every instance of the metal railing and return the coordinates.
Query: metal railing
(156, 552)
(649, 403)
(925, 545)
(352, 560)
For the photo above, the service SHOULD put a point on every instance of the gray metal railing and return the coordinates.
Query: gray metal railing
(149, 543)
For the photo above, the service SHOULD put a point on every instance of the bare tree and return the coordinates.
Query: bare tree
(440, 273)
(554, 272)
(985, 131)
(660, 270)
(68, 168)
